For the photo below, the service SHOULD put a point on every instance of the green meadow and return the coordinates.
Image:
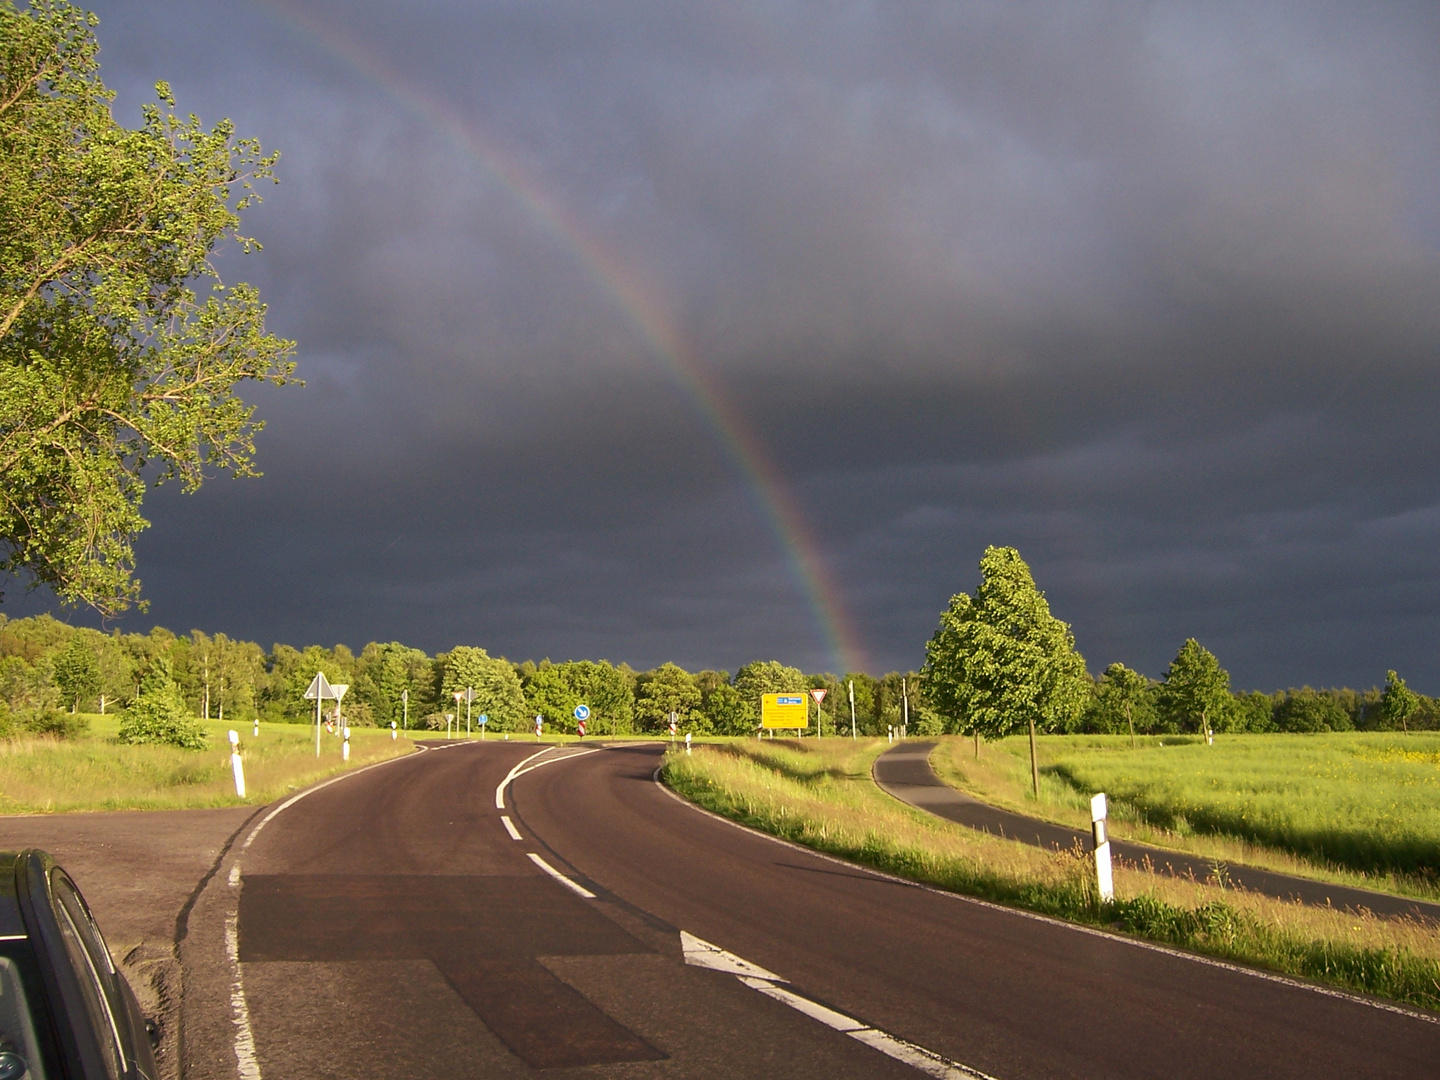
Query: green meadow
(40, 774)
(1362, 807)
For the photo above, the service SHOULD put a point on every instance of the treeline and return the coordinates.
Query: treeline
(47, 665)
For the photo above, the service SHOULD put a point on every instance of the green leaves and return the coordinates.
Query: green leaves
(120, 346)
(1196, 690)
(999, 661)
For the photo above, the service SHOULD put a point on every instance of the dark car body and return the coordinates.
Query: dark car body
(65, 1010)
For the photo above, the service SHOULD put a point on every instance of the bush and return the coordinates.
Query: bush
(160, 717)
(1309, 711)
(62, 725)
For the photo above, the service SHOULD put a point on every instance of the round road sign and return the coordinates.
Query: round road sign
(582, 712)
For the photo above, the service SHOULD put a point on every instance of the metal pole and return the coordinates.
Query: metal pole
(852, 708)
(405, 707)
(469, 697)
(905, 697)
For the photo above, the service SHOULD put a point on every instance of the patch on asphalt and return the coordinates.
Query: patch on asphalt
(482, 933)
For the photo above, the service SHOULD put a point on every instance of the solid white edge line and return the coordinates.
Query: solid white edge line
(246, 1062)
(520, 769)
(558, 876)
(1138, 943)
(510, 827)
(702, 954)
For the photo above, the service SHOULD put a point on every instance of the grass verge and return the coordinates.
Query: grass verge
(820, 795)
(41, 775)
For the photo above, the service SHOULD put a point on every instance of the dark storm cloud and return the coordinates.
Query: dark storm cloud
(1148, 290)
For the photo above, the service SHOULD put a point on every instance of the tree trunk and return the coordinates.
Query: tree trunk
(977, 744)
(1034, 762)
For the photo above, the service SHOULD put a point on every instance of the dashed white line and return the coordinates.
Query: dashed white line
(700, 953)
(578, 889)
(510, 827)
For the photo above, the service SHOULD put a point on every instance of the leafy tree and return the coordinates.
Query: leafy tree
(761, 677)
(77, 673)
(670, 688)
(388, 676)
(120, 346)
(554, 690)
(158, 713)
(1000, 662)
(1398, 703)
(1306, 710)
(724, 709)
(1196, 689)
(1253, 711)
(1121, 696)
(497, 687)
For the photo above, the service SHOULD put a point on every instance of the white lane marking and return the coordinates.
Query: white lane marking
(1119, 939)
(500, 788)
(520, 770)
(510, 827)
(234, 875)
(699, 953)
(558, 876)
(247, 1063)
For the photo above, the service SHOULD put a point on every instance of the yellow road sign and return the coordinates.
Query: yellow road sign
(784, 711)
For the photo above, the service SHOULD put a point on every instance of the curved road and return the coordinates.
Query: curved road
(391, 924)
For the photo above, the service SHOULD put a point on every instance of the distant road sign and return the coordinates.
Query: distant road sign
(319, 688)
(484, 719)
(784, 711)
(582, 712)
(818, 695)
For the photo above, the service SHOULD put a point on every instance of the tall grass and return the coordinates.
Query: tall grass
(1368, 801)
(40, 774)
(821, 796)
(1286, 802)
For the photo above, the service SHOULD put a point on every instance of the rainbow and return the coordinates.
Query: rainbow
(767, 490)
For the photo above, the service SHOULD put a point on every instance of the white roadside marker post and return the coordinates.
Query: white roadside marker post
(393, 733)
(257, 727)
(235, 766)
(687, 742)
(1098, 815)
(345, 749)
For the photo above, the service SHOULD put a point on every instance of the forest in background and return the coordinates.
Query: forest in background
(47, 665)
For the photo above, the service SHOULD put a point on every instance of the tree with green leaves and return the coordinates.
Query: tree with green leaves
(120, 346)
(1195, 691)
(1398, 703)
(554, 690)
(724, 709)
(497, 688)
(77, 673)
(158, 713)
(1000, 663)
(1122, 694)
(669, 688)
(1309, 711)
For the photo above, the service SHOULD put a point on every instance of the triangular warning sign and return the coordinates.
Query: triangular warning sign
(818, 695)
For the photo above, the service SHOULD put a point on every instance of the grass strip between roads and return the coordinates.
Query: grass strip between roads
(819, 793)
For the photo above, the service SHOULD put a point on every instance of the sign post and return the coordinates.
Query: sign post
(819, 696)
(582, 713)
(470, 697)
(852, 708)
(482, 720)
(674, 725)
(539, 723)
(405, 707)
(318, 691)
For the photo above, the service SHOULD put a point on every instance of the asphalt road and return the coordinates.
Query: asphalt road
(389, 924)
(905, 773)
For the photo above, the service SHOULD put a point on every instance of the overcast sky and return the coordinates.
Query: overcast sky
(1148, 291)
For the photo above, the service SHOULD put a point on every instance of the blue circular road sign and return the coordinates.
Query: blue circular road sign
(582, 712)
